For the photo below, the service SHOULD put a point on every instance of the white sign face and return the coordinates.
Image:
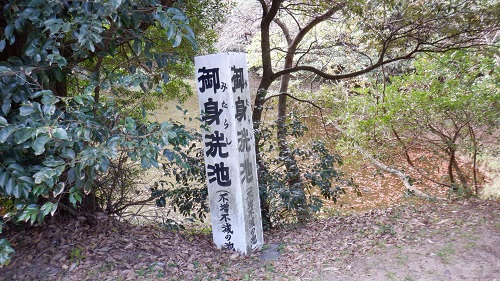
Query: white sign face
(229, 142)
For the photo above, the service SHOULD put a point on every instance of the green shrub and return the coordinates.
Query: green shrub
(58, 134)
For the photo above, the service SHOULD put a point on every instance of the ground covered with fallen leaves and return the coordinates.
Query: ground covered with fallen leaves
(418, 240)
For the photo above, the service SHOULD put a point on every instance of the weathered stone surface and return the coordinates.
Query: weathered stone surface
(229, 143)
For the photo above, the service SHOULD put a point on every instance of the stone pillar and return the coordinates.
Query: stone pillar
(229, 150)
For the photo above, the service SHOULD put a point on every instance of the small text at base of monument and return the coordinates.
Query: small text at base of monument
(229, 149)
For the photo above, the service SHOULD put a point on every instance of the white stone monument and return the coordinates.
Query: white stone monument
(229, 142)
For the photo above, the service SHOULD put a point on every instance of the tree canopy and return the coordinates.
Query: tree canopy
(338, 41)
(440, 115)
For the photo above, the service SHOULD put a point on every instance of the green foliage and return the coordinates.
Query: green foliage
(296, 201)
(446, 107)
(6, 251)
(459, 87)
(186, 188)
(77, 254)
(57, 132)
(59, 153)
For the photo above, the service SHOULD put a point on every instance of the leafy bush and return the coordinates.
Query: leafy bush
(284, 201)
(57, 131)
(52, 157)
(186, 187)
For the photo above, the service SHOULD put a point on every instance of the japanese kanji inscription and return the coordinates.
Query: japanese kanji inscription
(229, 147)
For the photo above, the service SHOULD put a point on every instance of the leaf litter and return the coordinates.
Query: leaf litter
(419, 240)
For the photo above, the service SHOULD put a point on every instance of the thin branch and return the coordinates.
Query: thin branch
(305, 52)
(295, 98)
(375, 162)
(323, 121)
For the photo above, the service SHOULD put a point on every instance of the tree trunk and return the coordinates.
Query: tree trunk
(268, 77)
(454, 166)
(284, 149)
(261, 166)
(474, 158)
(292, 169)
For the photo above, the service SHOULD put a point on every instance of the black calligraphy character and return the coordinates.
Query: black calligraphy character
(226, 124)
(223, 197)
(224, 217)
(216, 144)
(243, 140)
(237, 79)
(254, 237)
(229, 246)
(224, 86)
(224, 104)
(212, 112)
(246, 171)
(241, 109)
(226, 228)
(209, 79)
(252, 220)
(219, 173)
(250, 202)
(249, 194)
(224, 208)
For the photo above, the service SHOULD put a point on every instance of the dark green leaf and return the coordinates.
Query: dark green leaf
(47, 208)
(145, 163)
(6, 132)
(87, 188)
(39, 144)
(42, 175)
(15, 167)
(115, 3)
(104, 163)
(26, 110)
(4, 176)
(53, 163)
(58, 73)
(75, 197)
(26, 180)
(161, 202)
(6, 106)
(49, 109)
(170, 31)
(22, 135)
(78, 99)
(48, 97)
(16, 191)
(5, 251)
(58, 189)
(177, 39)
(60, 133)
(9, 30)
(137, 46)
(169, 154)
(9, 186)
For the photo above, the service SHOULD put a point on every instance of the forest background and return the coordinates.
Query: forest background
(411, 87)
